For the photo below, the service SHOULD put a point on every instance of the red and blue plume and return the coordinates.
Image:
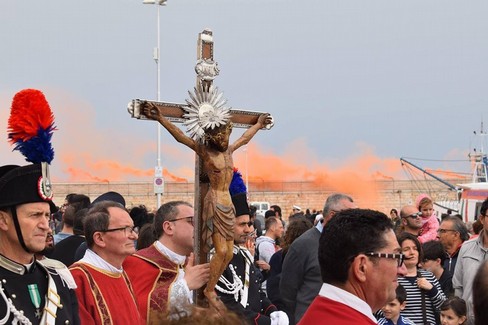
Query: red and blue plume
(31, 125)
(237, 184)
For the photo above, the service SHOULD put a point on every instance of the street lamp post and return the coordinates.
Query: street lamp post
(158, 170)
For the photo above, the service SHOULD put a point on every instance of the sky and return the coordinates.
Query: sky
(352, 85)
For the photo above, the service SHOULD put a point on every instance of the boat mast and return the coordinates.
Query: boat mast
(479, 159)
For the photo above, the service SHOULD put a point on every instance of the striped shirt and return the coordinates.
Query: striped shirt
(401, 321)
(433, 298)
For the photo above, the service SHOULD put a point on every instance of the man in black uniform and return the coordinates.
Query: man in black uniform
(31, 291)
(239, 287)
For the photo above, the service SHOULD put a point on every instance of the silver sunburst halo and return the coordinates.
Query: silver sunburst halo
(206, 110)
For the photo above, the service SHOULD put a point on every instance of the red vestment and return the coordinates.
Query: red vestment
(104, 297)
(325, 311)
(151, 274)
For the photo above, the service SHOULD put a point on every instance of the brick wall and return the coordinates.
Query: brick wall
(387, 194)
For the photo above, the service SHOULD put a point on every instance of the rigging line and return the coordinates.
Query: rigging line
(441, 160)
(420, 180)
(413, 176)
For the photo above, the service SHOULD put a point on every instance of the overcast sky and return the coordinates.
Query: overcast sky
(352, 85)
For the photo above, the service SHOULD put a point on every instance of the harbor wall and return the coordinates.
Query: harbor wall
(380, 195)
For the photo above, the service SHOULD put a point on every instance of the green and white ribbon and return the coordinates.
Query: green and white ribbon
(34, 295)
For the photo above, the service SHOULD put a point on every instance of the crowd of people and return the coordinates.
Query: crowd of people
(111, 264)
(101, 262)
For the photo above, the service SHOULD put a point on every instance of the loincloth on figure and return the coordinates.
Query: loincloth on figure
(219, 218)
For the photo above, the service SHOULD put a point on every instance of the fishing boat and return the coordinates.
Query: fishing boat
(468, 196)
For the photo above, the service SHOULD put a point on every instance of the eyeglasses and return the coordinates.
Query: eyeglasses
(190, 220)
(443, 231)
(398, 256)
(127, 230)
(413, 215)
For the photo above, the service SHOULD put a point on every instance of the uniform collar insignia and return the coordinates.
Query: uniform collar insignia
(12, 266)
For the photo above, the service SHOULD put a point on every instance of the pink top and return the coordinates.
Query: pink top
(429, 228)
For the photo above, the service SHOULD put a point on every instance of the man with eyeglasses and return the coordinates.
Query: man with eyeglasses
(471, 255)
(452, 233)
(300, 277)
(164, 275)
(360, 260)
(104, 292)
(411, 220)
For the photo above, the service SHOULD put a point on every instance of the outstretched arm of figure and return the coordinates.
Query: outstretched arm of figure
(263, 120)
(152, 112)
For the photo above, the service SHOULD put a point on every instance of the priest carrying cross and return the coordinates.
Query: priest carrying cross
(209, 123)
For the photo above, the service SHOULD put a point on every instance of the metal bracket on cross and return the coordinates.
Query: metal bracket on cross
(204, 97)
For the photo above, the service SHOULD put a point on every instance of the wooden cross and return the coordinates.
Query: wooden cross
(206, 70)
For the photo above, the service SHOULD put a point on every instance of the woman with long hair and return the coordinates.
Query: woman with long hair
(296, 227)
(424, 293)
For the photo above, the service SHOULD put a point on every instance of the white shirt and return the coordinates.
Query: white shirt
(346, 298)
(180, 296)
(95, 260)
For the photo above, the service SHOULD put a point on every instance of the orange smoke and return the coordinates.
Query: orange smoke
(85, 152)
(173, 178)
(355, 175)
(113, 171)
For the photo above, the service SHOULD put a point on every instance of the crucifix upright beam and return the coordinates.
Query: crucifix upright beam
(202, 107)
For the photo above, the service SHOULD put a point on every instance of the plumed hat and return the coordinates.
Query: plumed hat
(30, 128)
(19, 185)
(238, 193)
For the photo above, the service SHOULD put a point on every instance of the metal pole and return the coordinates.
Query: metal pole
(158, 63)
(158, 170)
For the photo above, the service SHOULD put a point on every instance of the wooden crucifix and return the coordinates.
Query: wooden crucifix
(209, 123)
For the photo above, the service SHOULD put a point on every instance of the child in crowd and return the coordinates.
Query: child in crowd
(453, 311)
(430, 224)
(434, 257)
(392, 310)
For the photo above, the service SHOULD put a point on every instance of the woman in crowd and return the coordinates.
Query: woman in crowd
(424, 293)
(296, 227)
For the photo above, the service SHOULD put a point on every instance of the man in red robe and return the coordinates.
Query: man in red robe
(104, 292)
(360, 259)
(163, 275)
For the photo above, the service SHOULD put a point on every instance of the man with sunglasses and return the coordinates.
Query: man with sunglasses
(411, 221)
(164, 275)
(104, 292)
(360, 259)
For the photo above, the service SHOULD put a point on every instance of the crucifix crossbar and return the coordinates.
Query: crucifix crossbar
(206, 69)
(174, 112)
(203, 112)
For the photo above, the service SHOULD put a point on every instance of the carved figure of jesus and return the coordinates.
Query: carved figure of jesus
(218, 210)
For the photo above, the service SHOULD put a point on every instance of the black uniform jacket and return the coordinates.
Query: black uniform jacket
(258, 306)
(14, 285)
